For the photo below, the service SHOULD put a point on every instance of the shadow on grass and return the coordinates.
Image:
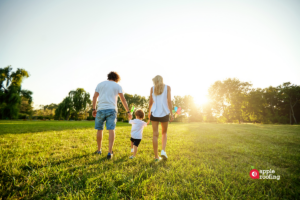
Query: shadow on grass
(32, 166)
(82, 180)
(18, 127)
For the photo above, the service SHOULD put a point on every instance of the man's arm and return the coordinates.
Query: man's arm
(124, 102)
(96, 95)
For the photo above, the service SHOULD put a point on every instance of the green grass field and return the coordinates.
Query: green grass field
(55, 160)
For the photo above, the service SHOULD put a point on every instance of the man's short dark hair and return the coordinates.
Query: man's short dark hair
(139, 113)
(113, 76)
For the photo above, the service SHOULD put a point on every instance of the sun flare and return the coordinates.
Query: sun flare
(200, 100)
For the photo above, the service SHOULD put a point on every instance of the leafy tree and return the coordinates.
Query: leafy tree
(196, 114)
(272, 101)
(139, 102)
(51, 106)
(11, 93)
(58, 111)
(272, 106)
(235, 100)
(218, 99)
(256, 105)
(81, 100)
(229, 98)
(291, 95)
(187, 104)
(67, 107)
(25, 107)
(208, 114)
(77, 102)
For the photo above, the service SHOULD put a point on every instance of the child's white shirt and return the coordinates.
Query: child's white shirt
(137, 128)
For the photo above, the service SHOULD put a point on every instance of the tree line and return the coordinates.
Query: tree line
(233, 99)
(230, 100)
(14, 100)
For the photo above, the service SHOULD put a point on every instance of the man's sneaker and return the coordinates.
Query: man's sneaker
(157, 159)
(163, 154)
(98, 152)
(131, 150)
(131, 157)
(110, 155)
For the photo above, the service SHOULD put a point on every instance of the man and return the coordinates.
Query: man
(108, 92)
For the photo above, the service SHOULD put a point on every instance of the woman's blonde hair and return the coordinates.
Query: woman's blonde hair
(158, 85)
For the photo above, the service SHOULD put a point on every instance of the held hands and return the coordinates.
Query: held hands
(129, 116)
(171, 118)
(149, 115)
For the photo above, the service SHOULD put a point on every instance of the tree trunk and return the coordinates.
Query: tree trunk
(67, 116)
(292, 109)
(290, 118)
(272, 107)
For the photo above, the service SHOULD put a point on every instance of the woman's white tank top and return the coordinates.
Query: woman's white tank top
(160, 105)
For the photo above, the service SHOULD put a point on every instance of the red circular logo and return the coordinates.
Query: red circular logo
(254, 174)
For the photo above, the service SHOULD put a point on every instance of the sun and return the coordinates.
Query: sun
(200, 100)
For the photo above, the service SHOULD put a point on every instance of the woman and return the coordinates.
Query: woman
(160, 107)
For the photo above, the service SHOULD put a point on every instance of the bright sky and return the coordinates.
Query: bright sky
(65, 45)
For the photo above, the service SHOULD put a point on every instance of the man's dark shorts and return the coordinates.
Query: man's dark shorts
(109, 115)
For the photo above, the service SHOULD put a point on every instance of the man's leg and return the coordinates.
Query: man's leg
(111, 120)
(99, 123)
(155, 138)
(99, 139)
(111, 140)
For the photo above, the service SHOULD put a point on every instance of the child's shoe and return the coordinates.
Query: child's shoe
(131, 157)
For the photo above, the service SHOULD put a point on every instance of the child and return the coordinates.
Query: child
(137, 131)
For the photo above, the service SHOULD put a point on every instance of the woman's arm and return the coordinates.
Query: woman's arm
(170, 102)
(150, 103)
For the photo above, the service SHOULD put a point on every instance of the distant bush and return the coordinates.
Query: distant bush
(40, 117)
(90, 118)
(120, 119)
(279, 119)
(222, 119)
(179, 118)
(21, 116)
(56, 118)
